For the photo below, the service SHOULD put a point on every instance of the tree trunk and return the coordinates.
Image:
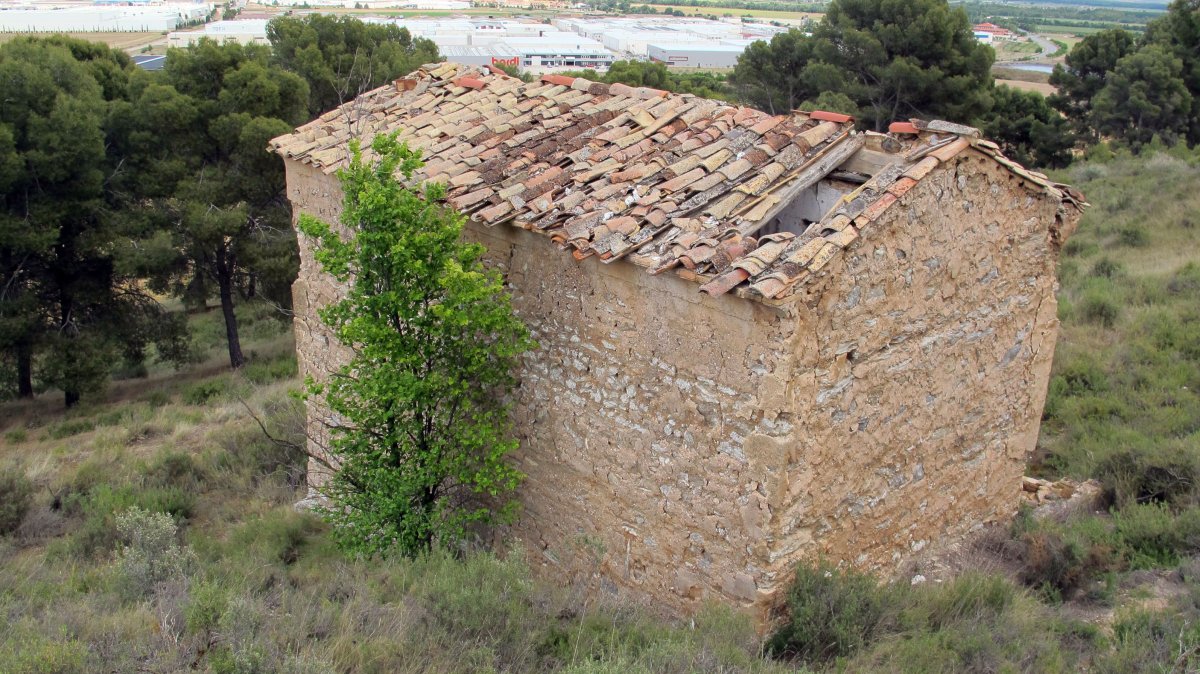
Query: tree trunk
(24, 370)
(66, 304)
(225, 283)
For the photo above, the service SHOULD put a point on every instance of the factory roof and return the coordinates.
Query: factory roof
(673, 183)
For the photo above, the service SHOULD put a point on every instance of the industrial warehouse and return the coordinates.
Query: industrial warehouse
(537, 46)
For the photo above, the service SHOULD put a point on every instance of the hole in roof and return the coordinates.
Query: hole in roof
(808, 207)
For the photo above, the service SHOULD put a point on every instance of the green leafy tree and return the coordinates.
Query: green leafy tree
(69, 301)
(893, 60)
(224, 207)
(1084, 72)
(771, 76)
(1027, 128)
(423, 423)
(1144, 96)
(341, 57)
(1179, 32)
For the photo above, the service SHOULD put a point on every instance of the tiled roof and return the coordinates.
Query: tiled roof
(674, 183)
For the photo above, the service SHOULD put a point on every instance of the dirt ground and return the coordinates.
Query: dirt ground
(1044, 88)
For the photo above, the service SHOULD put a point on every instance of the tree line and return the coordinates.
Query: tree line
(119, 187)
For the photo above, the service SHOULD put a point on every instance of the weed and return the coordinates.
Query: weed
(149, 553)
(1134, 236)
(267, 371)
(1099, 308)
(832, 613)
(16, 436)
(71, 427)
(206, 391)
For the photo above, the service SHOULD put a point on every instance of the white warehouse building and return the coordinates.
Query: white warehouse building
(100, 18)
(696, 54)
(242, 31)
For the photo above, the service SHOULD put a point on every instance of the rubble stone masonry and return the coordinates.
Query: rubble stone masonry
(680, 447)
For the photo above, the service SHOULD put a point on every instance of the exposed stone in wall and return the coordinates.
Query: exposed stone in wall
(924, 363)
(684, 447)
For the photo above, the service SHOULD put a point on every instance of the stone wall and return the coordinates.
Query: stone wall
(684, 447)
(922, 366)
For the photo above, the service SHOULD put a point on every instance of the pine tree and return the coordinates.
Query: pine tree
(70, 304)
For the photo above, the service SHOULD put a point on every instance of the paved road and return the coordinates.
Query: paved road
(1047, 46)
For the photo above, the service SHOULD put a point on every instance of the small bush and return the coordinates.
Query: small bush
(1099, 308)
(279, 535)
(100, 505)
(41, 655)
(1170, 474)
(16, 435)
(1106, 268)
(1059, 560)
(205, 607)
(205, 391)
(16, 495)
(1079, 248)
(149, 553)
(157, 399)
(267, 371)
(1134, 236)
(832, 613)
(1185, 281)
(1155, 536)
(1151, 642)
(172, 468)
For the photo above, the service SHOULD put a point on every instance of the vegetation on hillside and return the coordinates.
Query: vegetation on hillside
(91, 580)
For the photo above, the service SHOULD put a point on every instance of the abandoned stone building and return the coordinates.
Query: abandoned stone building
(762, 338)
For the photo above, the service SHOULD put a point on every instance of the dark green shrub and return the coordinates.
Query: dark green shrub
(1079, 248)
(1099, 308)
(1134, 236)
(831, 613)
(267, 371)
(16, 495)
(16, 436)
(173, 468)
(158, 398)
(1167, 474)
(202, 392)
(1058, 562)
(1106, 268)
(1156, 537)
(278, 536)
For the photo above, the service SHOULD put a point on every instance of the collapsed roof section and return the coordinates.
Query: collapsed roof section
(734, 198)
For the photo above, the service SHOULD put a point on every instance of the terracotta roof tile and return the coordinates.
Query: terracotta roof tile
(614, 170)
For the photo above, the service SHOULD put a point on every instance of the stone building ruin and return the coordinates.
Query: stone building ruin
(762, 338)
